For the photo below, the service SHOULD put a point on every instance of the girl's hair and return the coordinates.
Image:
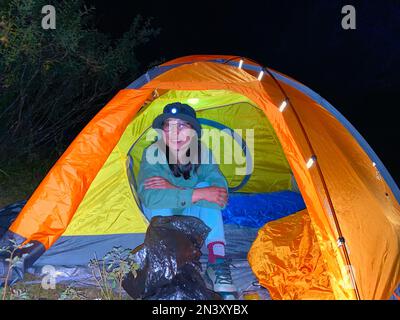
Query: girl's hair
(183, 169)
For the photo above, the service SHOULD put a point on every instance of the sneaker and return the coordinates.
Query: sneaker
(219, 276)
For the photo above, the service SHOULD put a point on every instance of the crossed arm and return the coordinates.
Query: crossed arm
(214, 194)
(158, 192)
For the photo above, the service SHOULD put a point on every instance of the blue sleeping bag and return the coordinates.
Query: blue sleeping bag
(256, 209)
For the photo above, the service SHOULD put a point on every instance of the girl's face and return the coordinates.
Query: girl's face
(177, 133)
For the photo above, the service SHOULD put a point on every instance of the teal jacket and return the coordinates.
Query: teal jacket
(176, 199)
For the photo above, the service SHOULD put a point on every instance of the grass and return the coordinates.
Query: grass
(62, 291)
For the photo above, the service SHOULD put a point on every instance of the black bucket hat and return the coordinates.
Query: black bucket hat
(179, 111)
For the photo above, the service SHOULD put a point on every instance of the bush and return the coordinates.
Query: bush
(52, 82)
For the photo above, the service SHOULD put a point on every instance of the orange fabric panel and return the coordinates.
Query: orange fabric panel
(311, 188)
(287, 260)
(49, 210)
(367, 212)
(369, 219)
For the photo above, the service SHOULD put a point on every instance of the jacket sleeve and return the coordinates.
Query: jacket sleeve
(160, 198)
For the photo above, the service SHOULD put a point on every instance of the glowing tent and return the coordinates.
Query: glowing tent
(347, 240)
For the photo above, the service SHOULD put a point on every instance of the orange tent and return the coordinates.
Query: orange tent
(352, 201)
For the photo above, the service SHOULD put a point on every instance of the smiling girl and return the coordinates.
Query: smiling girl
(185, 181)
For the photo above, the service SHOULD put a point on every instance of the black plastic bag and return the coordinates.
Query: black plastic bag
(169, 261)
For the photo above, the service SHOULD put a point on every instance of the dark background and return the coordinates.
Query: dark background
(357, 71)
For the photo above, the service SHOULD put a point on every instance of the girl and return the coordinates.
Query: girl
(177, 177)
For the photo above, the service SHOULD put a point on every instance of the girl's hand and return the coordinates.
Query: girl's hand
(217, 195)
(158, 183)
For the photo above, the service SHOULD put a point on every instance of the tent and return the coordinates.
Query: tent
(87, 202)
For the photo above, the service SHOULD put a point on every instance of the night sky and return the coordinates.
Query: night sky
(357, 71)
